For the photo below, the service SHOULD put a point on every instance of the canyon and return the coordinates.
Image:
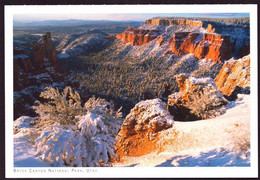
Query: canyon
(203, 44)
(163, 74)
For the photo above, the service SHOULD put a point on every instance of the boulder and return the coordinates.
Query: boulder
(234, 74)
(140, 128)
(198, 98)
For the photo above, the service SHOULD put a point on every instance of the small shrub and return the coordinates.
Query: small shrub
(60, 108)
(85, 139)
(207, 103)
(89, 143)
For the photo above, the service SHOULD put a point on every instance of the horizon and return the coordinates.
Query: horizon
(120, 17)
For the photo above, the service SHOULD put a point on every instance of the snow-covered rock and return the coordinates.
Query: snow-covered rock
(141, 126)
(234, 77)
(198, 98)
(223, 141)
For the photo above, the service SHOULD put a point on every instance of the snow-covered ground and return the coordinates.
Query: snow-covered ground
(222, 141)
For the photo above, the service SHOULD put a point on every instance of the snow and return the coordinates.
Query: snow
(198, 81)
(63, 55)
(82, 45)
(23, 122)
(155, 110)
(24, 151)
(220, 141)
(205, 62)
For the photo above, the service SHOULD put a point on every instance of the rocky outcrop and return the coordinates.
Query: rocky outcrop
(139, 130)
(210, 29)
(197, 99)
(169, 22)
(44, 53)
(31, 75)
(138, 37)
(234, 77)
(22, 68)
(44, 63)
(213, 46)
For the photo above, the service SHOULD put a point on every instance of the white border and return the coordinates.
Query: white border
(131, 172)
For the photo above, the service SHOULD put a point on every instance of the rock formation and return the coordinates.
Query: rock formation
(44, 60)
(32, 73)
(197, 99)
(44, 53)
(210, 29)
(22, 68)
(213, 46)
(138, 132)
(234, 77)
(203, 44)
(169, 22)
(138, 37)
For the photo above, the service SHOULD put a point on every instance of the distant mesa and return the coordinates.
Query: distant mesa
(169, 22)
(203, 45)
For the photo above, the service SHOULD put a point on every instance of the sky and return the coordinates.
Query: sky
(120, 17)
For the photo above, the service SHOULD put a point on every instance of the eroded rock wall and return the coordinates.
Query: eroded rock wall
(208, 45)
(234, 75)
(138, 37)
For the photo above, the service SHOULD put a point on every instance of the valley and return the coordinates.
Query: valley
(132, 85)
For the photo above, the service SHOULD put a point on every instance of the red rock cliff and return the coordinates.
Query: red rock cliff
(169, 22)
(140, 128)
(234, 73)
(138, 37)
(213, 46)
